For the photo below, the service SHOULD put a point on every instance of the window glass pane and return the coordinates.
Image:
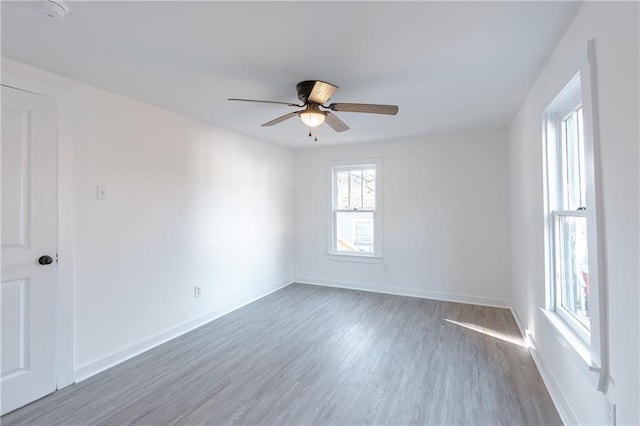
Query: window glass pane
(354, 232)
(342, 190)
(355, 183)
(369, 189)
(573, 163)
(572, 270)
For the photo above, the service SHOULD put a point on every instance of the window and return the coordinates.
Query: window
(576, 277)
(355, 222)
(570, 188)
(571, 264)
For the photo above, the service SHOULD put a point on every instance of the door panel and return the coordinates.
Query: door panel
(15, 179)
(29, 230)
(15, 301)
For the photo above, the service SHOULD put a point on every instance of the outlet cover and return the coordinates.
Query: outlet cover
(610, 411)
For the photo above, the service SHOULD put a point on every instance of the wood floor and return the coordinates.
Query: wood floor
(317, 355)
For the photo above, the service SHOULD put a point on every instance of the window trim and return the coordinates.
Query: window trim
(331, 252)
(596, 348)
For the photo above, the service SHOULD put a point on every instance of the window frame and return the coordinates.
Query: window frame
(333, 167)
(580, 89)
(568, 101)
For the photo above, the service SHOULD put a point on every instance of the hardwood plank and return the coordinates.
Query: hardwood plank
(317, 355)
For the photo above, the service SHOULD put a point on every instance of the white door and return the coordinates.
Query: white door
(29, 232)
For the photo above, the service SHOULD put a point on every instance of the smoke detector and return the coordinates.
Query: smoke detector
(55, 9)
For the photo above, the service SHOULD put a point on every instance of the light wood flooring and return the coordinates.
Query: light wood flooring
(325, 356)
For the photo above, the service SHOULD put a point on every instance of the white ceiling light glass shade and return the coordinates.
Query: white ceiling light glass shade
(312, 116)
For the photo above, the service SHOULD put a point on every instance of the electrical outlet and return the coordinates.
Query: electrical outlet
(610, 411)
(197, 291)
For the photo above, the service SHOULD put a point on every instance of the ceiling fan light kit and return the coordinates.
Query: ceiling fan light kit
(314, 94)
(312, 116)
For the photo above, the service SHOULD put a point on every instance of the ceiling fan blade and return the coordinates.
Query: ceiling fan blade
(265, 102)
(281, 119)
(335, 123)
(321, 92)
(369, 108)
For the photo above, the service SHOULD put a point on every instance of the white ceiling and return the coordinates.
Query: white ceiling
(448, 65)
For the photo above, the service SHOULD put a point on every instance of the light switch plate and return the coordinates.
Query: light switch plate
(102, 193)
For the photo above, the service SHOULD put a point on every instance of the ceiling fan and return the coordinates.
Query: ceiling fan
(314, 94)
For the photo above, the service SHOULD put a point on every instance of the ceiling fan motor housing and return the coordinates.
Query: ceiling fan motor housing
(304, 90)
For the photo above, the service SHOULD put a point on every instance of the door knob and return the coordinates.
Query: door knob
(45, 260)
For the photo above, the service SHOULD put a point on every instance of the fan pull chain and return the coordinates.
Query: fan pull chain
(315, 139)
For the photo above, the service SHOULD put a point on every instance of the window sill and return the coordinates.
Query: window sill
(568, 337)
(359, 258)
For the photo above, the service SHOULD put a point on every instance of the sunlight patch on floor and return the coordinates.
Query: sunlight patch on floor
(516, 340)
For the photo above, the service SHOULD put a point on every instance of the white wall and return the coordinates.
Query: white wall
(615, 28)
(446, 218)
(189, 204)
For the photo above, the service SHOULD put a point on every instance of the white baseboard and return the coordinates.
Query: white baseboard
(564, 409)
(411, 292)
(92, 368)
